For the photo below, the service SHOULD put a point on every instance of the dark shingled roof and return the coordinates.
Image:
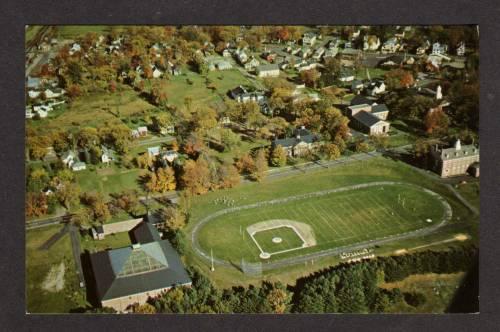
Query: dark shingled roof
(132, 270)
(145, 232)
(359, 99)
(379, 108)
(305, 136)
(366, 118)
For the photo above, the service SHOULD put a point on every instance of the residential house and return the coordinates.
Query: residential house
(349, 56)
(98, 233)
(375, 88)
(251, 64)
(169, 155)
(78, 166)
(219, 64)
(226, 53)
(136, 273)
(242, 95)
(68, 158)
(153, 151)
(309, 38)
(438, 48)
(390, 46)
(75, 48)
(369, 118)
(457, 160)
(319, 53)
(241, 56)
(29, 112)
(142, 131)
(423, 48)
(346, 75)
(54, 93)
(461, 49)
(271, 70)
(357, 86)
(107, 155)
(371, 43)
(302, 143)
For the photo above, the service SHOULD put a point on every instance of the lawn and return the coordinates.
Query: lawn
(177, 88)
(374, 73)
(337, 219)
(470, 191)
(39, 263)
(94, 110)
(112, 241)
(114, 181)
(438, 290)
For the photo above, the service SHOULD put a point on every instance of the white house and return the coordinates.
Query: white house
(438, 48)
(75, 48)
(157, 73)
(56, 93)
(33, 94)
(169, 155)
(390, 46)
(271, 70)
(371, 43)
(68, 158)
(252, 64)
(309, 38)
(461, 49)
(78, 166)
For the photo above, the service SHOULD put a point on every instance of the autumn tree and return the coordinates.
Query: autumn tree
(278, 298)
(310, 77)
(196, 176)
(260, 166)
(228, 176)
(144, 161)
(331, 151)
(173, 219)
(98, 205)
(67, 193)
(161, 181)
(36, 204)
(278, 156)
(245, 164)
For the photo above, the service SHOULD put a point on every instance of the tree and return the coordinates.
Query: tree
(83, 218)
(196, 176)
(229, 139)
(86, 137)
(95, 201)
(436, 122)
(278, 156)
(67, 193)
(245, 164)
(361, 146)
(228, 176)
(162, 180)
(36, 204)
(144, 161)
(331, 151)
(278, 298)
(380, 141)
(310, 77)
(260, 166)
(126, 200)
(173, 219)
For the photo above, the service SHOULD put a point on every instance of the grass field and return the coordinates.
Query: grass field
(337, 219)
(38, 266)
(116, 181)
(290, 239)
(376, 169)
(470, 191)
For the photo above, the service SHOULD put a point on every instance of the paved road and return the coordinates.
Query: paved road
(76, 249)
(45, 222)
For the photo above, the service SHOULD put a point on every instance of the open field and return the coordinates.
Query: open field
(337, 219)
(96, 109)
(116, 181)
(43, 271)
(376, 169)
(438, 290)
(470, 191)
(74, 31)
(290, 240)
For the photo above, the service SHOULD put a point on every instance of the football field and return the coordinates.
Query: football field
(319, 221)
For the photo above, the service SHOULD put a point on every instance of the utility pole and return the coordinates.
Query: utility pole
(212, 259)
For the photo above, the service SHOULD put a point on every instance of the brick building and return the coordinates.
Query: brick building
(457, 160)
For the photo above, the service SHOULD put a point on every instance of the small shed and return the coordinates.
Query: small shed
(98, 233)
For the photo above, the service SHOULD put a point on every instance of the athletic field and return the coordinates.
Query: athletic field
(319, 222)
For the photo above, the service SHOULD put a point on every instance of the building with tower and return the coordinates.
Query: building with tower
(457, 160)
